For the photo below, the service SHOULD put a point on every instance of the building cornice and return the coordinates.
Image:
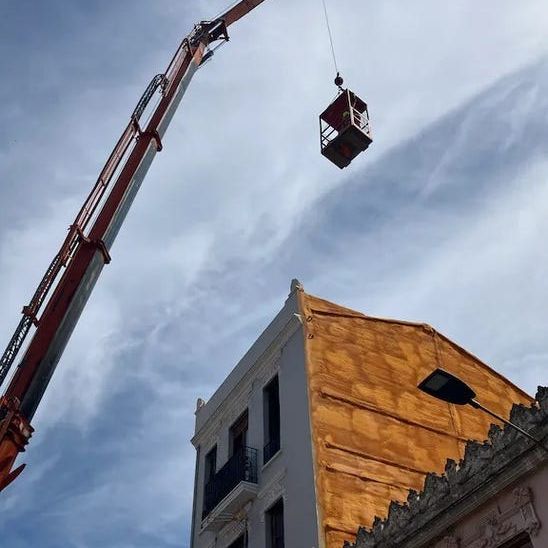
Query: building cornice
(485, 470)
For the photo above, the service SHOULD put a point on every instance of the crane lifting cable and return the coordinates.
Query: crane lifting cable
(338, 80)
(345, 130)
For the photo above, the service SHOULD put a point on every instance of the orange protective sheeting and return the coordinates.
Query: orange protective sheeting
(375, 435)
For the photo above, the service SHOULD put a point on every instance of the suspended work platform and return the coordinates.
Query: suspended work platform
(345, 131)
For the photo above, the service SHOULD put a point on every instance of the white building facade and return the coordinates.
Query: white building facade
(254, 483)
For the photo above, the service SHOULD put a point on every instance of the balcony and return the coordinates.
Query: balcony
(231, 488)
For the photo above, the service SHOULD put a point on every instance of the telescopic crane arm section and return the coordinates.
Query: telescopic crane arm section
(71, 276)
(239, 10)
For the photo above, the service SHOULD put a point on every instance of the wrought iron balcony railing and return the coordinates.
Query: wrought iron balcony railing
(242, 466)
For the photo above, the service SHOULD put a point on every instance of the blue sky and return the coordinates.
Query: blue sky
(443, 221)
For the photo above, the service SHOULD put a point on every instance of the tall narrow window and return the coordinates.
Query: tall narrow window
(210, 468)
(271, 407)
(238, 434)
(521, 541)
(275, 526)
(210, 465)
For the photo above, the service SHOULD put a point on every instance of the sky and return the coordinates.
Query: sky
(443, 220)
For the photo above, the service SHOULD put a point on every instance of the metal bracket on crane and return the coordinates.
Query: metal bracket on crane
(29, 313)
(99, 244)
(17, 429)
(152, 134)
(207, 32)
(13, 423)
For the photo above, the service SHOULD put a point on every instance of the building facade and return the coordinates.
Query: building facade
(271, 478)
(321, 425)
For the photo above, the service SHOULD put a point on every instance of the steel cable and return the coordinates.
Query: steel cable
(330, 35)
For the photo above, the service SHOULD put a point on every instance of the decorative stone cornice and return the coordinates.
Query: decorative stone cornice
(485, 470)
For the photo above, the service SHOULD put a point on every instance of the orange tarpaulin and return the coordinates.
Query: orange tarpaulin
(375, 435)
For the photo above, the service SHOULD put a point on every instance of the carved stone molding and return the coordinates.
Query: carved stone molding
(523, 502)
(501, 526)
(449, 542)
(493, 533)
(522, 496)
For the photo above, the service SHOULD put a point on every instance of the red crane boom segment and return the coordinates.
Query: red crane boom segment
(83, 255)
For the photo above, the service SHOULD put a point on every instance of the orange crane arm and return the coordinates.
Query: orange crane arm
(71, 276)
(240, 10)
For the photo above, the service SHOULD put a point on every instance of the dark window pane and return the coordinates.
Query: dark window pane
(271, 406)
(239, 543)
(275, 526)
(210, 464)
(521, 541)
(238, 434)
(210, 467)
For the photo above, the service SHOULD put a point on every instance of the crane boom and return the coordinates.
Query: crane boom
(71, 276)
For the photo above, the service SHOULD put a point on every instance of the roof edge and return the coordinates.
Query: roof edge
(350, 313)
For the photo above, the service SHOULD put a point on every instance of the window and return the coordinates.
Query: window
(210, 465)
(521, 541)
(240, 542)
(271, 414)
(275, 526)
(238, 434)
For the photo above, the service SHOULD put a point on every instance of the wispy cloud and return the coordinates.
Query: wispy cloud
(442, 221)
